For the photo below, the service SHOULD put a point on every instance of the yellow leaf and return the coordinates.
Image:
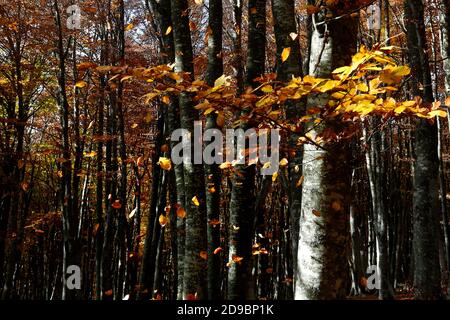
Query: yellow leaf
(362, 87)
(400, 109)
(195, 201)
(225, 165)
(81, 84)
(437, 113)
(274, 177)
(168, 31)
(267, 89)
(91, 154)
(342, 69)
(165, 163)
(328, 85)
(392, 75)
(222, 81)
(148, 117)
(129, 27)
(285, 54)
(163, 220)
(198, 2)
(284, 162)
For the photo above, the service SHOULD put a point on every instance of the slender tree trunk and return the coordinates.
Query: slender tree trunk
(427, 277)
(242, 207)
(377, 180)
(212, 172)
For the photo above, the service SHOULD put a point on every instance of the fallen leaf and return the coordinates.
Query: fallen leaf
(116, 204)
(81, 84)
(163, 220)
(284, 162)
(316, 213)
(165, 163)
(181, 213)
(195, 201)
(285, 54)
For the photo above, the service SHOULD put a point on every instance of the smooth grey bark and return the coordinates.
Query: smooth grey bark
(194, 284)
(427, 277)
(284, 26)
(324, 231)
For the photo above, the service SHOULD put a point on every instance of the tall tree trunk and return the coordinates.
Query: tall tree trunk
(427, 277)
(377, 180)
(71, 246)
(212, 172)
(242, 207)
(194, 284)
(324, 230)
(284, 27)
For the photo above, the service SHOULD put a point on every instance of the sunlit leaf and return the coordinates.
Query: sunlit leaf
(195, 201)
(285, 54)
(165, 163)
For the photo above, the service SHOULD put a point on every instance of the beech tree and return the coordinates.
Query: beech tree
(347, 101)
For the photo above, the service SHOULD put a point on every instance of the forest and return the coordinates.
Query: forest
(224, 150)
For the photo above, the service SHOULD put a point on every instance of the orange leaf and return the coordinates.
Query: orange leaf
(181, 213)
(163, 220)
(300, 181)
(204, 255)
(20, 164)
(214, 222)
(116, 204)
(316, 213)
(447, 101)
(236, 258)
(219, 249)
(165, 99)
